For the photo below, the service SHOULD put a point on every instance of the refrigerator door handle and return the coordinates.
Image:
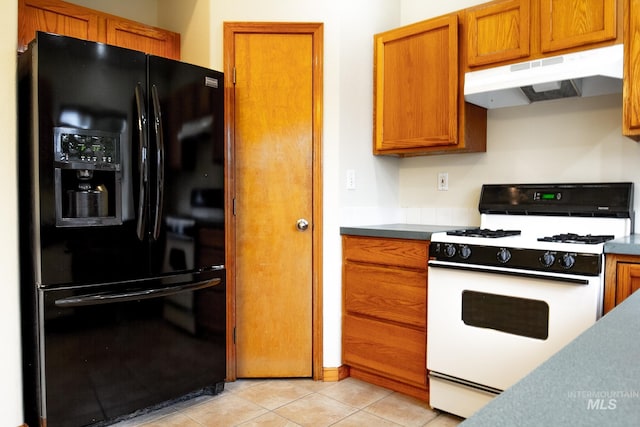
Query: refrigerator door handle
(143, 162)
(133, 295)
(157, 112)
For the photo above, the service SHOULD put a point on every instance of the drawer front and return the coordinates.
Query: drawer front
(398, 252)
(388, 350)
(386, 293)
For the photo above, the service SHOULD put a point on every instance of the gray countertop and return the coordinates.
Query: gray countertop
(398, 231)
(629, 245)
(593, 381)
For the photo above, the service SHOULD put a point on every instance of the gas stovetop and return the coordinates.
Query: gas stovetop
(484, 232)
(588, 239)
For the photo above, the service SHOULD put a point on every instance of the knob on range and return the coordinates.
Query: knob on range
(567, 261)
(503, 255)
(449, 250)
(465, 251)
(547, 259)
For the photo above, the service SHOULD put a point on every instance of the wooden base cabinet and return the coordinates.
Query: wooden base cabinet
(385, 311)
(622, 278)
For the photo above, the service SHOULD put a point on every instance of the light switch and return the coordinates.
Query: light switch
(351, 179)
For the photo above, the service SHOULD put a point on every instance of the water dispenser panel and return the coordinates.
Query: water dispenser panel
(87, 167)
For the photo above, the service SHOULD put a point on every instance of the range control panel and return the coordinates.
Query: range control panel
(576, 263)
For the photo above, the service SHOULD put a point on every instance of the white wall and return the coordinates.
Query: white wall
(190, 18)
(417, 10)
(10, 356)
(571, 140)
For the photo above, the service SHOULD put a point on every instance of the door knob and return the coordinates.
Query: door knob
(302, 224)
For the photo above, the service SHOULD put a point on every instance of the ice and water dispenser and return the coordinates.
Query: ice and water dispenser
(88, 176)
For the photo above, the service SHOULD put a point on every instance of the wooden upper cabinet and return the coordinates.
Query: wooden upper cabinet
(59, 17)
(54, 16)
(566, 24)
(498, 31)
(631, 82)
(416, 86)
(507, 31)
(133, 35)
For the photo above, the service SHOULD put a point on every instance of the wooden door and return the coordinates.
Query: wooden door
(274, 124)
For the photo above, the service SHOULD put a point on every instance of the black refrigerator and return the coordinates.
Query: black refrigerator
(121, 182)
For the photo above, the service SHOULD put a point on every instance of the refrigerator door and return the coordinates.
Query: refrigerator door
(186, 105)
(80, 161)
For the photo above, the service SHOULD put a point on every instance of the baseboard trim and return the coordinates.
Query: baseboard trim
(335, 374)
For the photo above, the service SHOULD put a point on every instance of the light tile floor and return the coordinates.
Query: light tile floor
(298, 402)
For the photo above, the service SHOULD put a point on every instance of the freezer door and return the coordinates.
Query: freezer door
(186, 113)
(111, 351)
(80, 152)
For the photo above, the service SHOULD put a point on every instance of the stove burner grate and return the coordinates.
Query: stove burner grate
(483, 232)
(576, 238)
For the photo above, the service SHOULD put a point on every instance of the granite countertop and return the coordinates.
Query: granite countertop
(593, 381)
(629, 245)
(398, 231)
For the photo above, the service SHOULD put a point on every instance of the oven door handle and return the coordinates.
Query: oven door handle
(532, 275)
(133, 295)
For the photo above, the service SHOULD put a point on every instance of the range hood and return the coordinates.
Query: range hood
(587, 73)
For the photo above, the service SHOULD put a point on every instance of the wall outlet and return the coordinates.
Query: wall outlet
(443, 181)
(351, 179)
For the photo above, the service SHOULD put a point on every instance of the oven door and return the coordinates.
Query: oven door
(490, 327)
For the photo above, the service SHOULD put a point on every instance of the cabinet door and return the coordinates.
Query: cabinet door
(572, 23)
(631, 89)
(416, 86)
(386, 251)
(390, 350)
(628, 280)
(498, 31)
(386, 293)
(57, 17)
(133, 35)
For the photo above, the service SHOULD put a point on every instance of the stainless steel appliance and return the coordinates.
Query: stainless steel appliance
(506, 296)
(117, 316)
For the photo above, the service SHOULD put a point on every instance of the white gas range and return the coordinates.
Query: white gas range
(506, 296)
